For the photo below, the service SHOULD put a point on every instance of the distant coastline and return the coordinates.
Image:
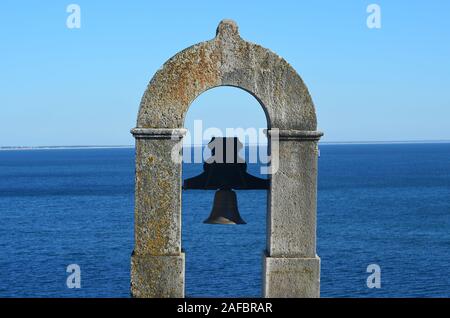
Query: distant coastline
(10, 148)
(60, 147)
(384, 142)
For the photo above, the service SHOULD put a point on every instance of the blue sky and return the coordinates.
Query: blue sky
(61, 86)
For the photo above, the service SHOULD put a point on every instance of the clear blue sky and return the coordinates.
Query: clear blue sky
(61, 86)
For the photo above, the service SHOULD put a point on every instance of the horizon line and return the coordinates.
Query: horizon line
(61, 147)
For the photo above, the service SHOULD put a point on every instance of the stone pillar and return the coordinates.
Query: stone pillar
(157, 262)
(291, 267)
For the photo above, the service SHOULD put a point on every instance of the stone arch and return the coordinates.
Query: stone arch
(227, 60)
(291, 266)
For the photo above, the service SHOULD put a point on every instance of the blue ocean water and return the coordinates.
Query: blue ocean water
(377, 204)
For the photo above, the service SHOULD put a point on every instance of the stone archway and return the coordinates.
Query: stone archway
(291, 266)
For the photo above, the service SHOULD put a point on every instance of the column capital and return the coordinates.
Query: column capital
(158, 133)
(292, 134)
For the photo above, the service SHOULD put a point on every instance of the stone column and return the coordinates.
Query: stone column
(157, 262)
(291, 267)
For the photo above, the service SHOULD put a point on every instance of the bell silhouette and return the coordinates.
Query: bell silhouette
(225, 209)
(223, 171)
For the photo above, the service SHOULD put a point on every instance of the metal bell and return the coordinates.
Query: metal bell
(225, 209)
(225, 171)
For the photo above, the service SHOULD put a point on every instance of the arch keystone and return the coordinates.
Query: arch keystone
(227, 28)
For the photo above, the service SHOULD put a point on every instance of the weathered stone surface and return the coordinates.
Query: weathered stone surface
(157, 195)
(227, 60)
(291, 277)
(292, 201)
(157, 276)
(291, 268)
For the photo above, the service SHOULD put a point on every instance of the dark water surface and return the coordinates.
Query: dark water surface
(378, 204)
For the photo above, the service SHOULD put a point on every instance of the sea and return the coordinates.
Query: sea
(382, 206)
